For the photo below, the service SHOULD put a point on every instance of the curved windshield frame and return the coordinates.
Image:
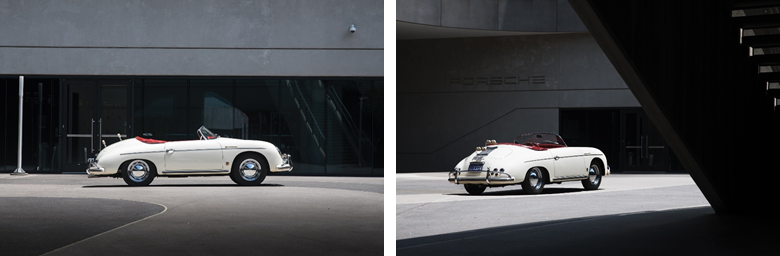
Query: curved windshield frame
(205, 134)
(540, 138)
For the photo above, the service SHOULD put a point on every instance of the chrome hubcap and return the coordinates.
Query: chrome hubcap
(534, 178)
(593, 175)
(138, 170)
(249, 170)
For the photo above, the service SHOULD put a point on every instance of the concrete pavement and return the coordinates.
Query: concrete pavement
(61, 214)
(650, 214)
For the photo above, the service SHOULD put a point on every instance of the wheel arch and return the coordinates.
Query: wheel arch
(600, 163)
(250, 152)
(545, 172)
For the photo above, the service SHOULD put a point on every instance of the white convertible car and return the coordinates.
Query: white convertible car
(533, 160)
(139, 160)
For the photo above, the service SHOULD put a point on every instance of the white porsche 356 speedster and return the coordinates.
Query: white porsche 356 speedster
(139, 160)
(533, 160)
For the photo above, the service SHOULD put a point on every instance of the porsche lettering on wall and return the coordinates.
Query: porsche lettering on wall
(532, 160)
(139, 160)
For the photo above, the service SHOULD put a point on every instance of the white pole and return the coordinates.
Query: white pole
(19, 170)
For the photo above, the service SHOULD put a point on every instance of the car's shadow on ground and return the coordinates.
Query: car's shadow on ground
(183, 185)
(520, 192)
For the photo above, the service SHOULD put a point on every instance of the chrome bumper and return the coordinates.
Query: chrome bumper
(94, 168)
(286, 165)
(456, 177)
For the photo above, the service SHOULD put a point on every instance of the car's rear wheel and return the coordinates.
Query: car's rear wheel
(249, 170)
(474, 189)
(594, 178)
(534, 181)
(138, 172)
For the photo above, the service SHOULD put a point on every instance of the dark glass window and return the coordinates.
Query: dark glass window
(329, 126)
(211, 105)
(302, 117)
(378, 125)
(257, 116)
(349, 129)
(4, 109)
(163, 109)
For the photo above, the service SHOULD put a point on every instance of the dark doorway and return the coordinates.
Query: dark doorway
(643, 149)
(626, 136)
(96, 114)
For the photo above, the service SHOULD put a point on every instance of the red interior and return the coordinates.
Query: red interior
(150, 141)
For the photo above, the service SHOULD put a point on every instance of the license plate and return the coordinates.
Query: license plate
(475, 167)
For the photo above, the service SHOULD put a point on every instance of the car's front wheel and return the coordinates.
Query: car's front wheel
(534, 181)
(594, 178)
(138, 172)
(474, 189)
(249, 170)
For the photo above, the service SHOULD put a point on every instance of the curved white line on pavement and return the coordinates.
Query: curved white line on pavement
(165, 209)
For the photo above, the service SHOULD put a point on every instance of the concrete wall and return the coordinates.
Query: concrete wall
(503, 15)
(181, 37)
(453, 94)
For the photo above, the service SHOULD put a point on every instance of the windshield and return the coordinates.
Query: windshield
(540, 138)
(205, 134)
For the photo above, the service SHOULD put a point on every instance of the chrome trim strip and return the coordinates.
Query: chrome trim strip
(200, 149)
(241, 148)
(570, 178)
(537, 160)
(212, 171)
(559, 157)
(142, 152)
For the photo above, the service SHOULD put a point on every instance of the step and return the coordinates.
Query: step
(757, 21)
(771, 77)
(766, 60)
(761, 41)
(752, 4)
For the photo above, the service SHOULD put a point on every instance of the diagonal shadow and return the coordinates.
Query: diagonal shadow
(690, 231)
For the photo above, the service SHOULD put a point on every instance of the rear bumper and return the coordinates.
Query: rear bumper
(480, 177)
(94, 169)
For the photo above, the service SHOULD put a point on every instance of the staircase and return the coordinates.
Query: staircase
(759, 23)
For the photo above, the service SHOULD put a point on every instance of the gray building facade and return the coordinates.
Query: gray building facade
(469, 71)
(289, 72)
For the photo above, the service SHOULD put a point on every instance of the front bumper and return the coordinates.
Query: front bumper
(480, 177)
(286, 165)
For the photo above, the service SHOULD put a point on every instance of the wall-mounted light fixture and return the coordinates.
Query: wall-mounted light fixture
(352, 28)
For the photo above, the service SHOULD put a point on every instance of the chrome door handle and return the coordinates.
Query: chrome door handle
(169, 151)
(556, 158)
